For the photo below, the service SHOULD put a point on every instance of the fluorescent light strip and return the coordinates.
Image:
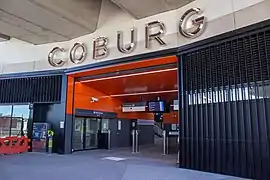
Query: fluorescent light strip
(129, 75)
(144, 93)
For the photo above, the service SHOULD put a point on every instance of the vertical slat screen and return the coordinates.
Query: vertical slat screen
(31, 89)
(225, 113)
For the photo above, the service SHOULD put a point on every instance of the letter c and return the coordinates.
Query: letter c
(56, 62)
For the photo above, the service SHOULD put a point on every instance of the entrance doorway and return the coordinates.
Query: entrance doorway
(85, 133)
(126, 90)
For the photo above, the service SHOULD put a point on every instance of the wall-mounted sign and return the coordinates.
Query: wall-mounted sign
(191, 25)
(119, 126)
(175, 105)
(134, 107)
(62, 124)
(93, 113)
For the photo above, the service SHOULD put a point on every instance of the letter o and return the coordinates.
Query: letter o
(72, 53)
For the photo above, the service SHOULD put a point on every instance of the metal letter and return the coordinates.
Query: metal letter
(72, 53)
(128, 48)
(198, 23)
(100, 49)
(157, 35)
(55, 62)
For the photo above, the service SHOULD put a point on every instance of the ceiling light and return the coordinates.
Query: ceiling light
(144, 93)
(129, 75)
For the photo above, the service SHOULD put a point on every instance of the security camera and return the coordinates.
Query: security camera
(93, 99)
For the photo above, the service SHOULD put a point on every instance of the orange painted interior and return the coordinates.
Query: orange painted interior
(170, 118)
(70, 91)
(127, 66)
(103, 89)
(160, 81)
(82, 100)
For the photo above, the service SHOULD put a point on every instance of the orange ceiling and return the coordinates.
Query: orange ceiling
(158, 84)
(168, 97)
(149, 84)
(127, 66)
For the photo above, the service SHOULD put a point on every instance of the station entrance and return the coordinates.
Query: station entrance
(139, 101)
(85, 132)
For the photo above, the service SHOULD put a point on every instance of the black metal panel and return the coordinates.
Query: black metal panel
(225, 95)
(31, 89)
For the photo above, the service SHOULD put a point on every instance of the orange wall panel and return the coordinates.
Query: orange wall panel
(82, 100)
(170, 118)
(69, 95)
(83, 93)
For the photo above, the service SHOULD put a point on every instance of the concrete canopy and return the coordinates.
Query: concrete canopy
(45, 21)
(144, 8)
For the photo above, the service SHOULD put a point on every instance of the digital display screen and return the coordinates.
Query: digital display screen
(156, 106)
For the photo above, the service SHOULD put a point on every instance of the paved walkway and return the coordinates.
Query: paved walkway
(95, 165)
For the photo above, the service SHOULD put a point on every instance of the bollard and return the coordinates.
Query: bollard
(164, 143)
(178, 160)
(178, 152)
(50, 144)
(167, 144)
(137, 141)
(50, 141)
(109, 140)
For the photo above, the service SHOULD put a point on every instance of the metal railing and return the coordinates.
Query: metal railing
(158, 130)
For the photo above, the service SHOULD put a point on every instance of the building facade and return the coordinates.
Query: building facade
(223, 80)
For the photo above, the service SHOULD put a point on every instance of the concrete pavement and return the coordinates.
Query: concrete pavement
(96, 165)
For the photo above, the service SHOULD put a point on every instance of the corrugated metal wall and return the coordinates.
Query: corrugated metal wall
(31, 89)
(225, 110)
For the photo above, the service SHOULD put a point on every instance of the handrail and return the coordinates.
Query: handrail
(158, 131)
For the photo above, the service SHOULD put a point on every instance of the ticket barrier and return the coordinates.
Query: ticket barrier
(135, 141)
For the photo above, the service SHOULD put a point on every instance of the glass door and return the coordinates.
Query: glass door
(78, 134)
(92, 125)
(85, 133)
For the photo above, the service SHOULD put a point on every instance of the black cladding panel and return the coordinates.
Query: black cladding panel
(31, 89)
(224, 111)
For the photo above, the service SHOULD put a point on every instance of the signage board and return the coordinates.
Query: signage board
(175, 105)
(190, 25)
(134, 107)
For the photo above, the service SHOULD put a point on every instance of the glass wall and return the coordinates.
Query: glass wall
(5, 120)
(13, 120)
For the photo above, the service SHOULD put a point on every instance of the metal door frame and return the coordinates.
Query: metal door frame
(84, 133)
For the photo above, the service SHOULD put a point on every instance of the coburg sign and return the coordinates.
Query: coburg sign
(78, 52)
